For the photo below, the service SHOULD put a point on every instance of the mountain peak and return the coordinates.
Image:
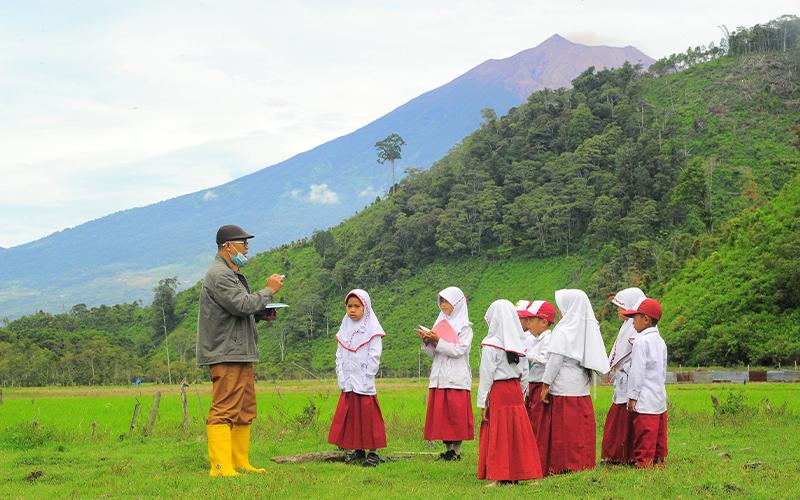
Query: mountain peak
(555, 39)
(552, 64)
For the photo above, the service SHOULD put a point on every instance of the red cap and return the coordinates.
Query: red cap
(536, 309)
(648, 307)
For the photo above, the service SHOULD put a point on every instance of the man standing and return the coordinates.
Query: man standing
(227, 342)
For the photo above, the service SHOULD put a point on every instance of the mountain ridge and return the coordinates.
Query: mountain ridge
(175, 236)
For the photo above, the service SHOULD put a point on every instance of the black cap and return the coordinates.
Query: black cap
(231, 233)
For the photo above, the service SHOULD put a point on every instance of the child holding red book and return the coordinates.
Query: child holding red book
(449, 415)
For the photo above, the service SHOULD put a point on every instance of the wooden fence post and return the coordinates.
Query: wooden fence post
(135, 414)
(185, 423)
(154, 412)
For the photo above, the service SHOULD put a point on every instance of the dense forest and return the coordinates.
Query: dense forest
(682, 180)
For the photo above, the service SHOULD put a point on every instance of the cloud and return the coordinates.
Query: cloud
(210, 195)
(369, 192)
(322, 195)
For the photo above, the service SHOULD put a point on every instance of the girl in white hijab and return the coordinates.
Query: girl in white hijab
(507, 448)
(576, 349)
(449, 416)
(618, 431)
(357, 423)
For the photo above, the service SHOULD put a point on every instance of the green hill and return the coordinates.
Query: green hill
(682, 184)
(739, 300)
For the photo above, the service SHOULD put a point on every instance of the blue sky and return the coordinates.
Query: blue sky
(107, 105)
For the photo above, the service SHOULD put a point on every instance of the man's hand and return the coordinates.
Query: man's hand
(632, 405)
(275, 283)
(545, 393)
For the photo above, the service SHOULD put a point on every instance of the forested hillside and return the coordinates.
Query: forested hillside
(682, 180)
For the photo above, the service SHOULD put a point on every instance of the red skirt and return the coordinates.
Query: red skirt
(357, 423)
(568, 434)
(535, 409)
(507, 449)
(449, 416)
(649, 439)
(534, 405)
(618, 435)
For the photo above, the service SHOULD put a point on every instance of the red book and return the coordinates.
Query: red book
(446, 332)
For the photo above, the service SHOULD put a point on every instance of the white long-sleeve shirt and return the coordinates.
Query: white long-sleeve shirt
(620, 381)
(450, 368)
(537, 362)
(647, 375)
(495, 366)
(566, 376)
(355, 371)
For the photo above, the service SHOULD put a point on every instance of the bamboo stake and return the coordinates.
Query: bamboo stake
(94, 428)
(135, 415)
(185, 423)
(154, 412)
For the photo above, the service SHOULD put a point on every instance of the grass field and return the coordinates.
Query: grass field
(748, 447)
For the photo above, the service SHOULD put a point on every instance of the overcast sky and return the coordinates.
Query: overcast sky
(108, 105)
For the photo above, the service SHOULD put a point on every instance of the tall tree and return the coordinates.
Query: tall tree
(389, 150)
(163, 310)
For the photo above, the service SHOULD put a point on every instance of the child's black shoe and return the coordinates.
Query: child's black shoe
(372, 460)
(450, 456)
(356, 457)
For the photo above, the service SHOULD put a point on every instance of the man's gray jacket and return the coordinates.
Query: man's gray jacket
(226, 329)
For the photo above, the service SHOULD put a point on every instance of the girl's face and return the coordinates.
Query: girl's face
(619, 314)
(355, 309)
(524, 323)
(446, 307)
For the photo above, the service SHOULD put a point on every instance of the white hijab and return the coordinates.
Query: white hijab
(505, 332)
(577, 335)
(353, 335)
(460, 316)
(625, 299)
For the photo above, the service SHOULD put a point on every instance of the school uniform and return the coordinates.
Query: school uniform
(537, 355)
(647, 386)
(617, 444)
(449, 413)
(358, 423)
(507, 447)
(576, 349)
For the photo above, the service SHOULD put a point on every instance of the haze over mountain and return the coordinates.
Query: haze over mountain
(120, 257)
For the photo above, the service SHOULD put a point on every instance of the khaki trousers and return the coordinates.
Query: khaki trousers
(233, 394)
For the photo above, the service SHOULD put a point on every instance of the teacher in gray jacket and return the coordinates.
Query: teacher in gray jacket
(227, 342)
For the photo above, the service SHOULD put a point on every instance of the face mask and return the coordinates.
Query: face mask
(239, 259)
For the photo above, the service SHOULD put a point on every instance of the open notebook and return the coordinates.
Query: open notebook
(446, 332)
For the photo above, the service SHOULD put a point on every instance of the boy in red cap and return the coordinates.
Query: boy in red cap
(536, 318)
(647, 393)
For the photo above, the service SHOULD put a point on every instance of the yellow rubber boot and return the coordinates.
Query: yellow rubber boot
(240, 437)
(219, 451)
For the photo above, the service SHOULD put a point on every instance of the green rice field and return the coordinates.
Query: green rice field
(747, 447)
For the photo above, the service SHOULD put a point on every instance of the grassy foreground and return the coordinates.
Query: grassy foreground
(748, 447)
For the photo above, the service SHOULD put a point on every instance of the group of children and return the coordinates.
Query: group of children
(537, 416)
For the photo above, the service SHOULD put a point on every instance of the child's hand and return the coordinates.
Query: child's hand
(632, 405)
(485, 414)
(433, 338)
(545, 393)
